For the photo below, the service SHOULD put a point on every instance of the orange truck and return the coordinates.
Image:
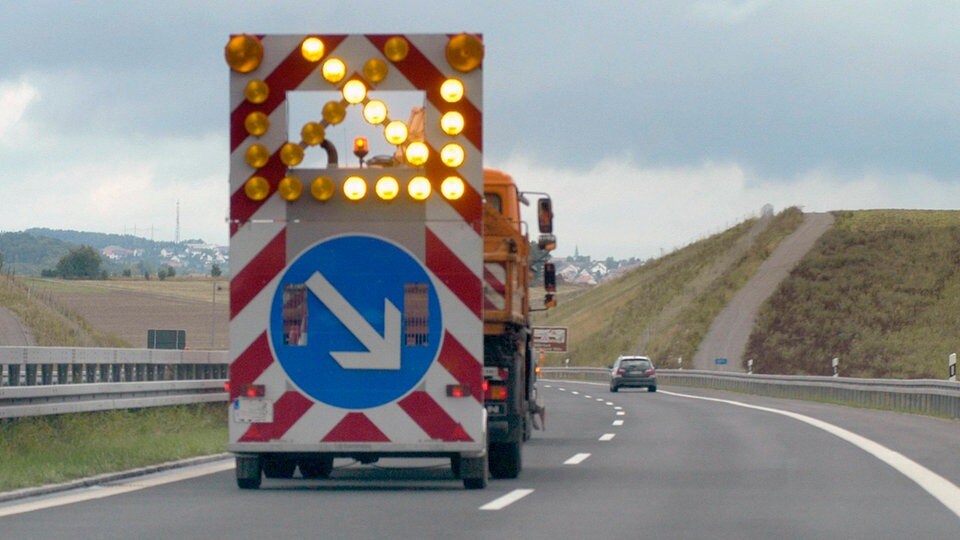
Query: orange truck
(378, 308)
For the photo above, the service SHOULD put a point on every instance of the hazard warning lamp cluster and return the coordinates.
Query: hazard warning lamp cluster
(464, 53)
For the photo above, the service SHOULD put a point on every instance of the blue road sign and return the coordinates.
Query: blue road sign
(356, 322)
(720, 361)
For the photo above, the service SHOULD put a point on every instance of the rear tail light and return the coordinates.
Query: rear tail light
(253, 390)
(494, 392)
(651, 372)
(620, 372)
(458, 390)
(226, 387)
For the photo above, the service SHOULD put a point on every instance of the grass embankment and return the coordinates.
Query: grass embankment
(53, 449)
(664, 308)
(51, 324)
(881, 291)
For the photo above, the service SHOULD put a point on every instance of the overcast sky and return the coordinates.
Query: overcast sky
(652, 124)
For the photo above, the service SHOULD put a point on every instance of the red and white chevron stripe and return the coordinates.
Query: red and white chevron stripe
(264, 240)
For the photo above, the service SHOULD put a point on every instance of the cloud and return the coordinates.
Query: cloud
(621, 209)
(16, 99)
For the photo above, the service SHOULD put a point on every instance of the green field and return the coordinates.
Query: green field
(880, 291)
(54, 449)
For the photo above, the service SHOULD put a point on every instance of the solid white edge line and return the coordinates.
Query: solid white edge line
(508, 499)
(126, 486)
(576, 459)
(939, 487)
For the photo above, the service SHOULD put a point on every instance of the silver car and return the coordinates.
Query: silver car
(633, 371)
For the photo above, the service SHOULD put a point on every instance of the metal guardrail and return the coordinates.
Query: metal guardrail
(55, 380)
(919, 396)
(36, 381)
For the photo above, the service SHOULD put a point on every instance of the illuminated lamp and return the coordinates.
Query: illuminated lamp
(375, 111)
(452, 188)
(322, 188)
(257, 123)
(419, 188)
(257, 188)
(291, 154)
(334, 112)
(313, 133)
(451, 90)
(452, 123)
(417, 153)
(387, 188)
(395, 132)
(452, 155)
(396, 49)
(464, 52)
(290, 188)
(334, 70)
(257, 156)
(256, 91)
(244, 53)
(375, 70)
(354, 92)
(354, 188)
(312, 49)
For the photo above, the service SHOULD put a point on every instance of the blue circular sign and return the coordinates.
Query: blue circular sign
(355, 322)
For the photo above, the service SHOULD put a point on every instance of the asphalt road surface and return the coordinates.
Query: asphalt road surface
(673, 464)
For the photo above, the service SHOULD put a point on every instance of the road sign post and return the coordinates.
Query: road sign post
(952, 367)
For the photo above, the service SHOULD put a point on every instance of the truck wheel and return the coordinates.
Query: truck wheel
(455, 466)
(315, 468)
(613, 388)
(506, 460)
(474, 471)
(248, 472)
(278, 467)
(652, 389)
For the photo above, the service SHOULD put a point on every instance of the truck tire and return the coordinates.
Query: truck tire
(315, 468)
(474, 471)
(248, 472)
(506, 460)
(455, 466)
(278, 467)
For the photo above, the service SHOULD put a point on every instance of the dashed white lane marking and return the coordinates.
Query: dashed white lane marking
(620, 413)
(600, 399)
(100, 492)
(508, 499)
(942, 489)
(607, 436)
(610, 403)
(618, 408)
(576, 459)
(618, 422)
(575, 393)
(588, 397)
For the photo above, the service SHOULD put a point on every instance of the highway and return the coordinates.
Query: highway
(678, 463)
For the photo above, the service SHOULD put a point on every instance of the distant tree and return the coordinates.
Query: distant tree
(215, 270)
(127, 272)
(1, 261)
(81, 263)
(170, 271)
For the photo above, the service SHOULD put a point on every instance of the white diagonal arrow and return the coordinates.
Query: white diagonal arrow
(383, 352)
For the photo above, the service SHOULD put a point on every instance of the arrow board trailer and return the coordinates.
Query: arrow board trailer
(356, 291)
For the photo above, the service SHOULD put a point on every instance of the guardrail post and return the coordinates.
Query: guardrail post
(13, 375)
(63, 373)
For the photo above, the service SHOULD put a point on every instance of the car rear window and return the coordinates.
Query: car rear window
(643, 364)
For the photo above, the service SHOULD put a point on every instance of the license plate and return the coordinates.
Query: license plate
(496, 408)
(250, 411)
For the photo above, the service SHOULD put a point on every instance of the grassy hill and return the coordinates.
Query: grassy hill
(664, 308)
(881, 291)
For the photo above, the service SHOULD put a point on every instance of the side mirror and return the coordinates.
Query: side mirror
(550, 277)
(545, 215)
(547, 242)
